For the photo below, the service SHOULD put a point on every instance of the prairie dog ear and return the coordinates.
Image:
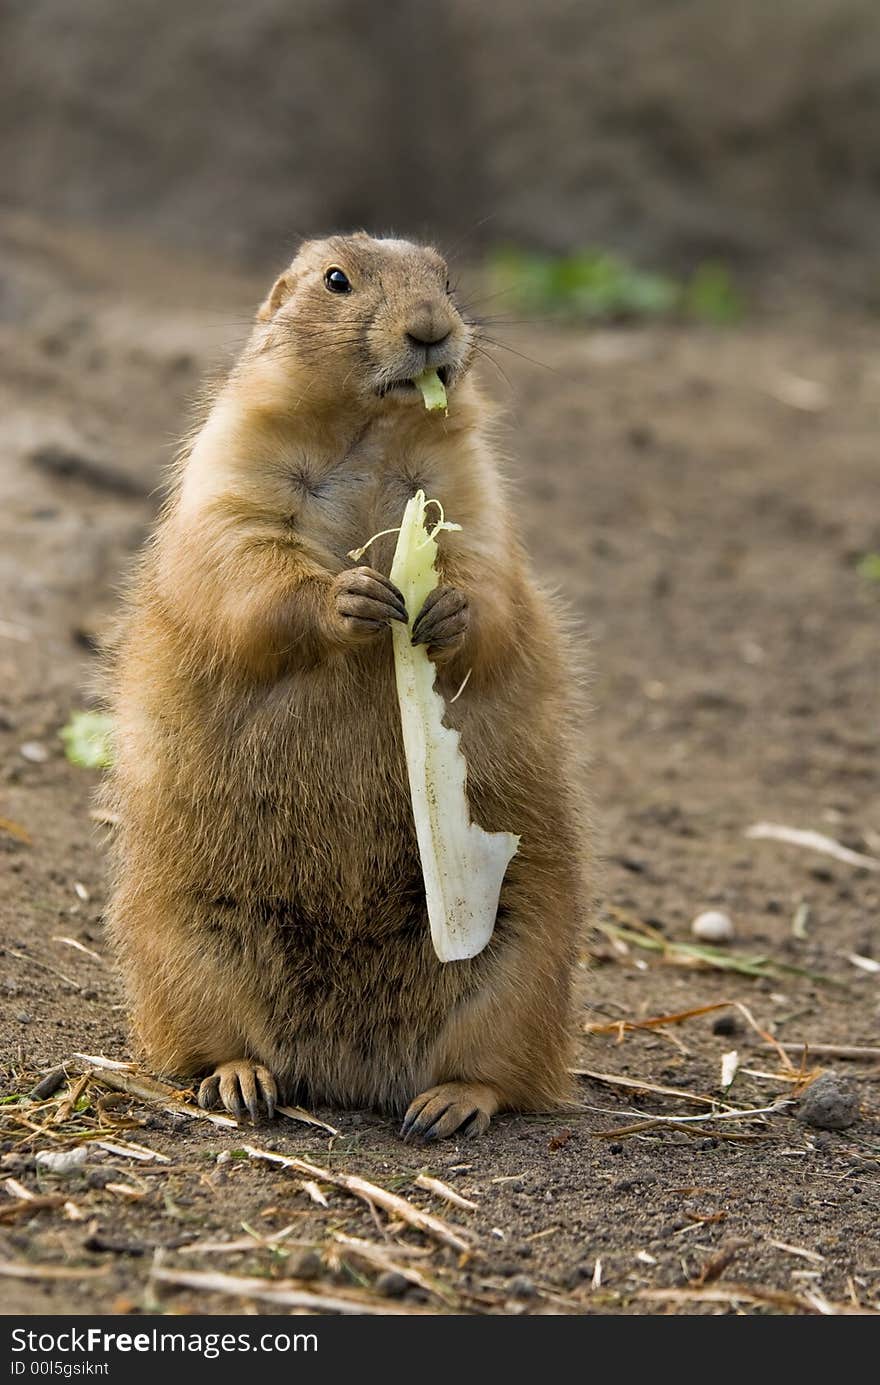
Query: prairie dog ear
(281, 291)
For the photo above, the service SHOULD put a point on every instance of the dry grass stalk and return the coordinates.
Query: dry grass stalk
(762, 1034)
(126, 1191)
(27, 1206)
(299, 1113)
(122, 1078)
(246, 1243)
(97, 1060)
(621, 1027)
(800, 1251)
(64, 1110)
(43, 966)
(747, 1113)
(285, 1293)
(613, 1079)
(748, 1293)
(376, 1197)
(855, 1052)
(729, 1069)
(16, 1189)
(127, 1149)
(311, 1189)
(18, 1269)
(378, 1258)
(16, 830)
(434, 1185)
(813, 841)
(694, 1125)
(80, 947)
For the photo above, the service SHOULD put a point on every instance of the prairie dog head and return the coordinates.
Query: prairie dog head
(362, 317)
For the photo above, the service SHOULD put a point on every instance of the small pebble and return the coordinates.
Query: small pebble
(99, 1178)
(62, 1161)
(390, 1284)
(823, 1141)
(727, 1024)
(829, 1103)
(309, 1265)
(34, 751)
(713, 927)
(522, 1287)
(48, 1085)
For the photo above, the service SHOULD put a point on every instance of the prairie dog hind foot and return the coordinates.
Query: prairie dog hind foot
(455, 1107)
(240, 1086)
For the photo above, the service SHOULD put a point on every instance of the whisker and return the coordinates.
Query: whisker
(512, 349)
(503, 373)
(488, 297)
(472, 231)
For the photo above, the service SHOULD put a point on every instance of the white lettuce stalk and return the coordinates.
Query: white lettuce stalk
(462, 865)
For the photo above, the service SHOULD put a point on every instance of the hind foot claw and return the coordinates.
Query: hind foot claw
(466, 1107)
(240, 1086)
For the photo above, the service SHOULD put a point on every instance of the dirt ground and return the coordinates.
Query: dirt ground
(702, 499)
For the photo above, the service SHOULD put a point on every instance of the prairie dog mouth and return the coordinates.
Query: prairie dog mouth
(406, 384)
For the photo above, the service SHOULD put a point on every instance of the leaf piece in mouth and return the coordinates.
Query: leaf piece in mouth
(432, 389)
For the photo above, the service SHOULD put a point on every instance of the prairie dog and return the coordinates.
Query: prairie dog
(268, 911)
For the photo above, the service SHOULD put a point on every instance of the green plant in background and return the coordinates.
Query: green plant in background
(601, 286)
(869, 567)
(710, 295)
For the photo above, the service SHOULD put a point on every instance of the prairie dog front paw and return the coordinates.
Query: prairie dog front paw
(362, 602)
(443, 621)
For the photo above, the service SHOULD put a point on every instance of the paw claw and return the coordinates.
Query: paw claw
(443, 620)
(208, 1090)
(454, 1107)
(240, 1086)
(364, 601)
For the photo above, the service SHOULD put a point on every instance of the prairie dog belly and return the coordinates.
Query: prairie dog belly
(295, 871)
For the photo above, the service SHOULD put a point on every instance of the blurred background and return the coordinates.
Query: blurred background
(664, 216)
(675, 130)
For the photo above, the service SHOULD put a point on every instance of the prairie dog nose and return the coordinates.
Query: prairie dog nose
(428, 326)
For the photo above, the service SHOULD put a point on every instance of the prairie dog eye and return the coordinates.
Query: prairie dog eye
(337, 281)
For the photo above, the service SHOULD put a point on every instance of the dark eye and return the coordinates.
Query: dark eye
(336, 281)
(448, 288)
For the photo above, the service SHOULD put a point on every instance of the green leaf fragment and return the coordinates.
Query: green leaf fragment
(432, 389)
(869, 567)
(87, 740)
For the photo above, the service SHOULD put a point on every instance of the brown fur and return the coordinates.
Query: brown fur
(269, 906)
